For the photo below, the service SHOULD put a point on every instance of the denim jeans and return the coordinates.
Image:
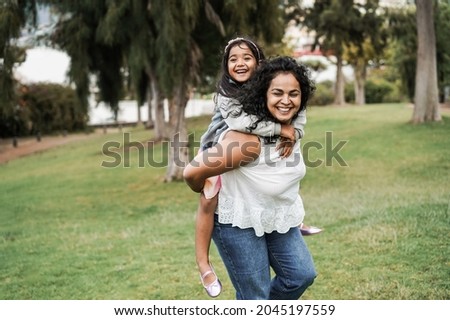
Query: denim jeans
(249, 260)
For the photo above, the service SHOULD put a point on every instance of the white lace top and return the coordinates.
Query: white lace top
(264, 195)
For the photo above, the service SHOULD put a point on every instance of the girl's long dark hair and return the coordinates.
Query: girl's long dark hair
(253, 95)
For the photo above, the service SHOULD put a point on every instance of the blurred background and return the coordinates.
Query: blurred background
(71, 66)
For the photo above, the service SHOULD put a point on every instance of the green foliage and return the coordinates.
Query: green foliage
(324, 94)
(379, 88)
(404, 48)
(341, 29)
(260, 20)
(44, 108)
(169, 44)
(12, 19)
(442, 23)
(81, 33)
(316, 65)
(52, 108)
(336, 23)
(379, 91)
(349, 91)
(13, 16)
(402, 26)
(373, 32)
(72, 229)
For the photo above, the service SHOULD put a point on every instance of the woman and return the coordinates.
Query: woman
(259, 209)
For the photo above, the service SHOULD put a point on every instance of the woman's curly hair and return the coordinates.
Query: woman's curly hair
(253, 95)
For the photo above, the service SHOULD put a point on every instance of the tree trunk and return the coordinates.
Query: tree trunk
(151, 78)
(426, 105)
(157, 105)
(150, 123)
(139, 118)
(160, 121)
(360, 80)
(339, 97)
(179, 144)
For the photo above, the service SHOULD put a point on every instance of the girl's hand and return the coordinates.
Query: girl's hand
(285, 146)
(287, 132)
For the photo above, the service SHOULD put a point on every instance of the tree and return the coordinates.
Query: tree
(336, 24)
(165, 46)
(374, 42)
(164, 49)
(426, 106)
(403, 47)
(77, 33)
(14, 14)
(442, 23)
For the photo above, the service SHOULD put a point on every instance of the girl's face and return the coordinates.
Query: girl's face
(241, 63)
(284, 97)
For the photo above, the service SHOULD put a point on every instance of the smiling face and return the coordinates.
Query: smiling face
(284, 97)
(241, 63)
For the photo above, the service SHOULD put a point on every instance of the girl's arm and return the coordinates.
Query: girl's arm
(299, 125)
(291, 133)
(233, 151)
(238, 120)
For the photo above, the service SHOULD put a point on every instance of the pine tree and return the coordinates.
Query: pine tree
(14, 14)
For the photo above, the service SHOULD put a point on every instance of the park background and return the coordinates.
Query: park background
(74, 229)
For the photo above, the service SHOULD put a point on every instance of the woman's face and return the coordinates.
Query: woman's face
(241, 63)
(284, 97)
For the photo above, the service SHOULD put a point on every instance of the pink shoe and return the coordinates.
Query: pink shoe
(309, 230)
(212, 187)
(214, 288)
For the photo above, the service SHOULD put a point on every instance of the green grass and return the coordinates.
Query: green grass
(71, 229)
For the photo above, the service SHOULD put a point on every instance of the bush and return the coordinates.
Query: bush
(349, 92)
(43, 108)
(53, 107)
(324, 94)
(13, 122)
(379, 91)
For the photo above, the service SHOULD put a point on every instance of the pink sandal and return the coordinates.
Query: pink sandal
(309, 230)
(212, 187)
(214, 288)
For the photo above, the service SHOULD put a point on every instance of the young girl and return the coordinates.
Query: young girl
(241, 58)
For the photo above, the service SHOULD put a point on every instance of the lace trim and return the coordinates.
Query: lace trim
(262, 219)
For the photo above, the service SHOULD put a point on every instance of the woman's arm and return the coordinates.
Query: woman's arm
(234, 150)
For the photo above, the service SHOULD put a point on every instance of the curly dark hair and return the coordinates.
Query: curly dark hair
(253, 95)
(226, 85)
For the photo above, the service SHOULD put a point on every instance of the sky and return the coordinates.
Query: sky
(44, 64)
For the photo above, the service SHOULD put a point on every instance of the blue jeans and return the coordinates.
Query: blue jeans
(248, 260)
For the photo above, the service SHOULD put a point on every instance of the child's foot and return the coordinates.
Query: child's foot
(211, 282)
(309, 230)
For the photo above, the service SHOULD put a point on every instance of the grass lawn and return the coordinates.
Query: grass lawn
(380, 187)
